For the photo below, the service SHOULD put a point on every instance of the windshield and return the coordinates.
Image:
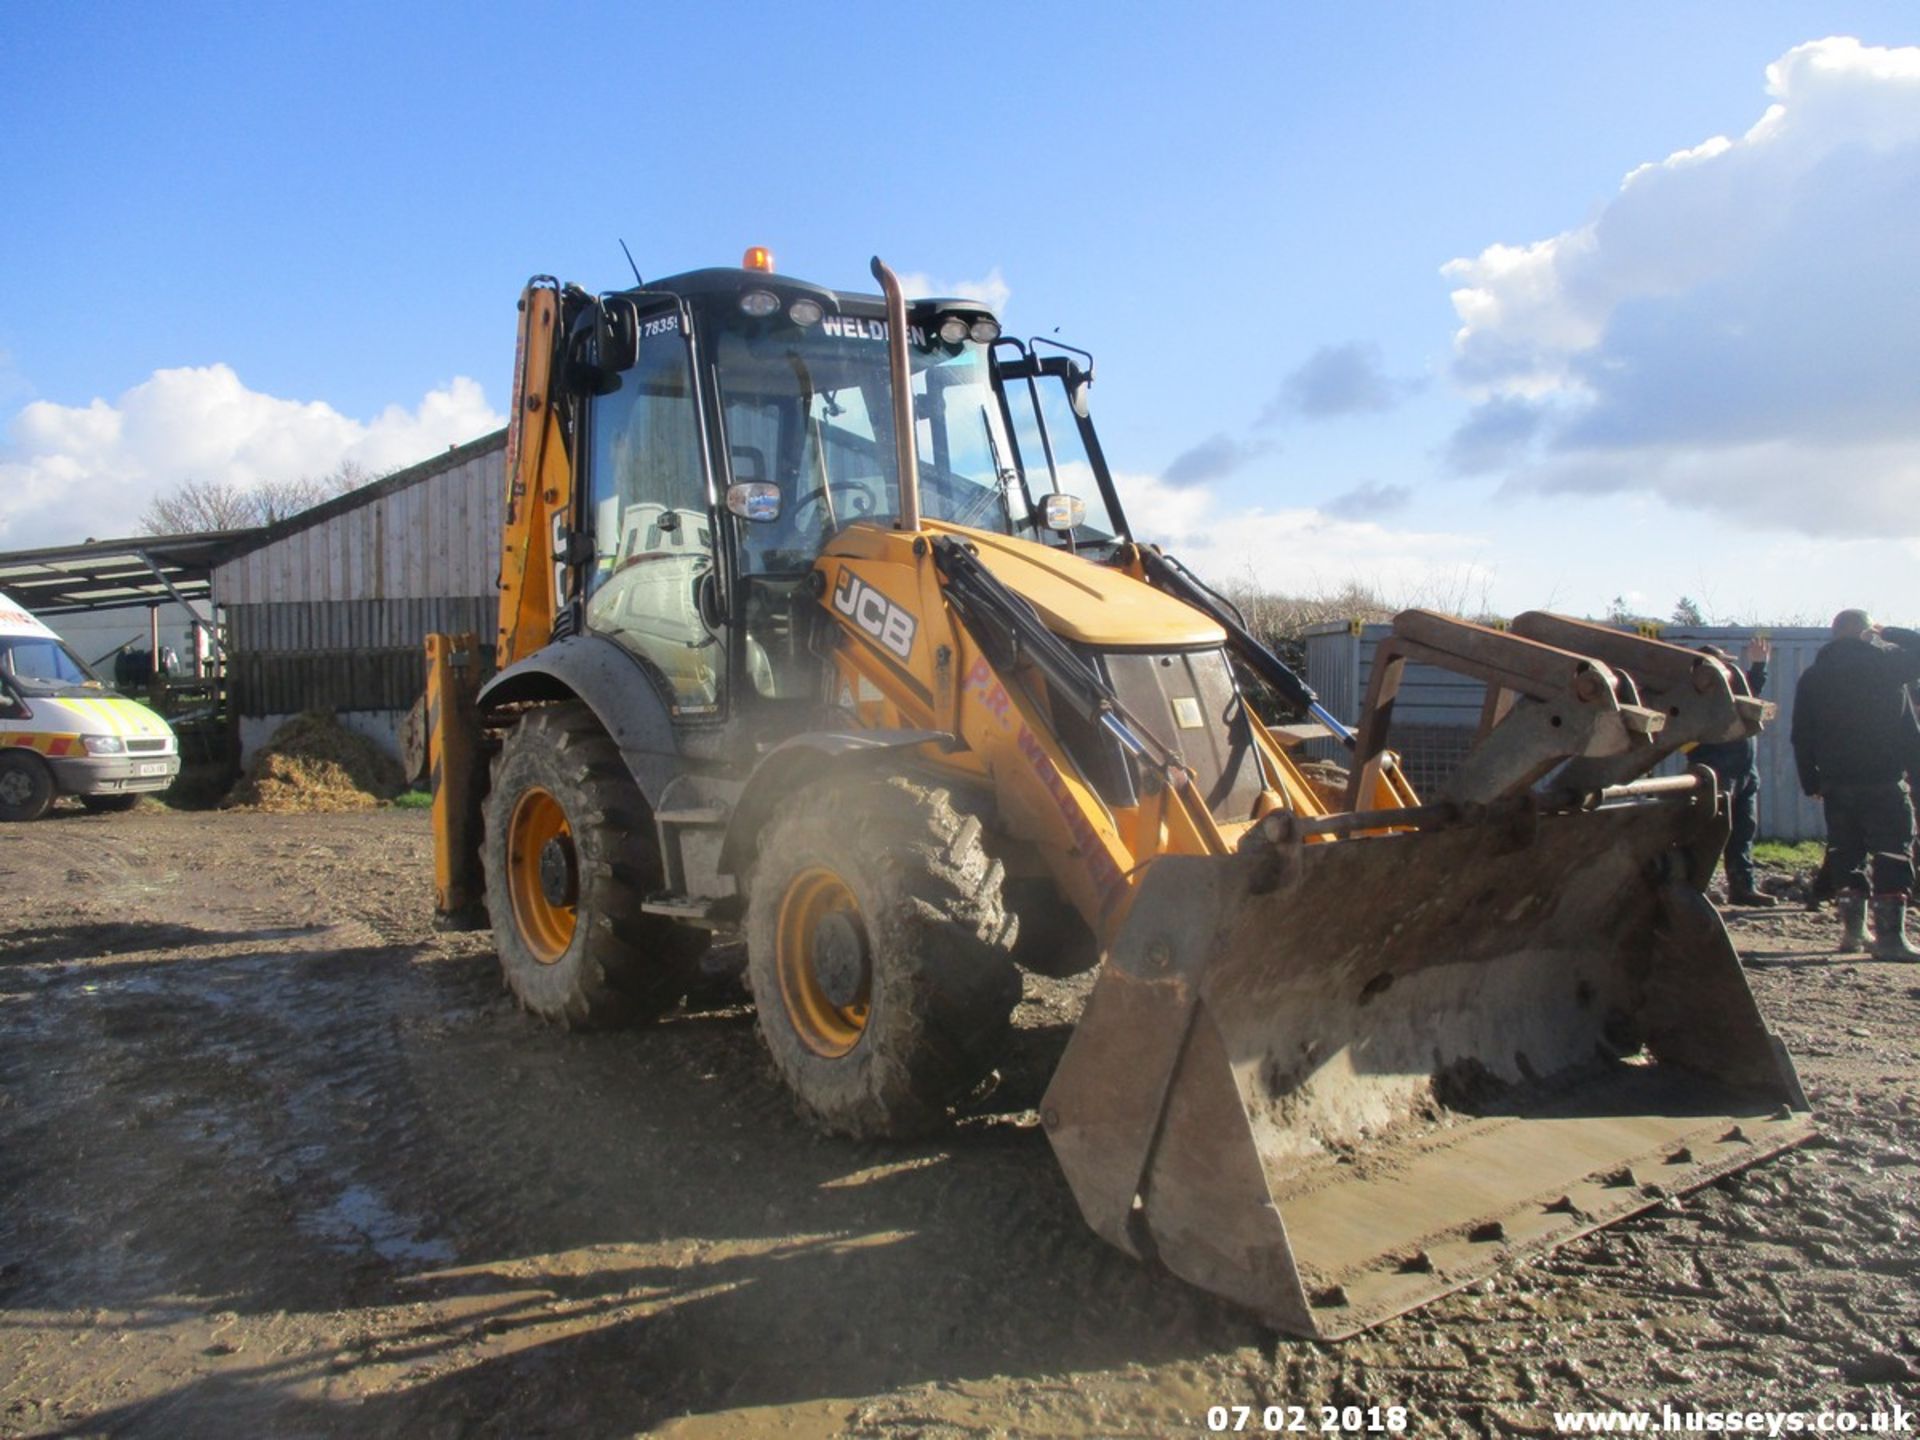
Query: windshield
(807, 410)
(40, 665)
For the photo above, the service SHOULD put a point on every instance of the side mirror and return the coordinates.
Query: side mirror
(756, 501)
(1062, 512)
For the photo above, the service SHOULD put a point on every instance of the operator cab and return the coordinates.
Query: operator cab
(735, 421)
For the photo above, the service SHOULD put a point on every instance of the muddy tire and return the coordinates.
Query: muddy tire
(879, 951)
(109, 804)
(26, 786)
(569, 854)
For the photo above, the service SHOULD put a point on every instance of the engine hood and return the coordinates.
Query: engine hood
(1088, 603)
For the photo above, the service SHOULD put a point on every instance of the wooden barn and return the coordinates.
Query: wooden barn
(327, 610)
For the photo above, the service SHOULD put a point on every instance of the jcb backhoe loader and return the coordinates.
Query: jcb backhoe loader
(821, 621)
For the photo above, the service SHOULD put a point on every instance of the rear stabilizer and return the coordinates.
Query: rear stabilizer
(456, 777)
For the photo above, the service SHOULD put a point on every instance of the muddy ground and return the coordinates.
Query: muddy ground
(275, 1158)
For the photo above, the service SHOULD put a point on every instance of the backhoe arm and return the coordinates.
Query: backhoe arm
(539, 478)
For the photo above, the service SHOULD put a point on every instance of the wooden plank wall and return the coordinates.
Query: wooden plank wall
(345, 655)
(435, 538)
(332, 615)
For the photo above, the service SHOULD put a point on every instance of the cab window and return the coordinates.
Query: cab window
(653, 535)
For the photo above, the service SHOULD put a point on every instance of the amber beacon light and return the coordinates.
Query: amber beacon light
(758, 257)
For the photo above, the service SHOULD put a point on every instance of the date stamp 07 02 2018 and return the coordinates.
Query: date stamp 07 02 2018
(1308, 1420)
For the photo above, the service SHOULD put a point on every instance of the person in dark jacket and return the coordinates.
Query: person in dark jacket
(1854, 737)
(1737, 765)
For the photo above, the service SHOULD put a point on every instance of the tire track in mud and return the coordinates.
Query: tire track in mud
(163, 1072)
(231, 1034)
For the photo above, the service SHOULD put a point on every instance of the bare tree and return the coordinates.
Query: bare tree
(200, 505)
(195, 505)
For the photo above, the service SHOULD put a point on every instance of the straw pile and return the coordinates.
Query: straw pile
(313, 762)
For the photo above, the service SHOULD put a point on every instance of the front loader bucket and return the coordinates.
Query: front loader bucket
(1334, 1080)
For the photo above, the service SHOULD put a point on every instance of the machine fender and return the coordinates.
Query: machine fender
(610, 683)
(798, 761)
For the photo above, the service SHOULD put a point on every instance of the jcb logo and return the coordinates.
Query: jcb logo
(874, 613)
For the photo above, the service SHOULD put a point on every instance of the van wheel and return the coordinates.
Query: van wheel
(26, 786)
(569, 854)
(879, 951)
(109, 804)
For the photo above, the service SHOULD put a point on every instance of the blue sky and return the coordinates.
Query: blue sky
(248, 242)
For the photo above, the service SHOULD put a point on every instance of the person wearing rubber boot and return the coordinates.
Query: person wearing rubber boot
(1736, 764)
(1854, 736)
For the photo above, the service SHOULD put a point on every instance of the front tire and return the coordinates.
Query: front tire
(879, 952)
(26, 786)
(569, 854)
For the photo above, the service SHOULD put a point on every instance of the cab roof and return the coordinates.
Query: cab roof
(727, 281)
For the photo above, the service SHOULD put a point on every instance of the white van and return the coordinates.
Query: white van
(63, 732)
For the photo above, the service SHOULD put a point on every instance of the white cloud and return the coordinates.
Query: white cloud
(73, 471)
(1737, 329)
(1300, 550)
(1827, 490)
(990, 290)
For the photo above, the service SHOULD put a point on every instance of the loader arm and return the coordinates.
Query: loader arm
(1704, 700)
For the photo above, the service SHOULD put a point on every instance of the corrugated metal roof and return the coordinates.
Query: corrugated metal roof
(113, 574)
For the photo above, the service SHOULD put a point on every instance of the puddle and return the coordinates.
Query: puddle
(358, 1218)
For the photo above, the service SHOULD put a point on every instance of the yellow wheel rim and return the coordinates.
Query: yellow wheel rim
(825, 1028)
(544, 919)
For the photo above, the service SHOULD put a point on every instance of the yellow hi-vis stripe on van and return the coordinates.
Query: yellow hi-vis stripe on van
(52, 746)
(103, 713)
(114, 716)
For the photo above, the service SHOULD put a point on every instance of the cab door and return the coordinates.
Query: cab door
(651, 520)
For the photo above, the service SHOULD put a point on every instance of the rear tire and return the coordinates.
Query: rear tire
(569, 854)
(109, 804)
(879, 951)
(26, 786)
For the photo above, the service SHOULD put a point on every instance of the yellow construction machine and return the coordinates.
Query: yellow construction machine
(821, 623)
